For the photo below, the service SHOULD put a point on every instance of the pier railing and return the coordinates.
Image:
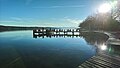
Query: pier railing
(56, 33)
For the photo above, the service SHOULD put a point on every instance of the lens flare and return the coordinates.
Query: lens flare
(103, 47)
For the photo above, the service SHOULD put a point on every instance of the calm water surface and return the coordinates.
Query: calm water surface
(18, 49)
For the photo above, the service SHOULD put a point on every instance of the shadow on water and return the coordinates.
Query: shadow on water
(52, 50)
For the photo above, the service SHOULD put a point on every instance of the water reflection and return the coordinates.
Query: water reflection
(21, 50)
(99, 40)
(93, 38)
(114, 50)
(109, 49)
(54, 35)
(103, 47)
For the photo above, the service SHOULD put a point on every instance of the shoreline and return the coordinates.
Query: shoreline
(112, 39)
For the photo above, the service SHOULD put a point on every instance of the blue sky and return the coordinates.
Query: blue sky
(58, 13)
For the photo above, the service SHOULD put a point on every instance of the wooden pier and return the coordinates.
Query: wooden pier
(56, 33)
(102, 61)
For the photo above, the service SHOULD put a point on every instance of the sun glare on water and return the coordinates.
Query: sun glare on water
(103, 47)
(104, 8)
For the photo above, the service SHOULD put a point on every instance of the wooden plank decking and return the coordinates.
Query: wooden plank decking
(102, 61)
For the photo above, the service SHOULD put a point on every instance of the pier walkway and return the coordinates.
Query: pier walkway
(56, 33)
(102, 61)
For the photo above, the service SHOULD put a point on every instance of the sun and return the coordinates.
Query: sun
(104, 8)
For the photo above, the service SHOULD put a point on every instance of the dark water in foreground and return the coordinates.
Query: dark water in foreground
(19, 49)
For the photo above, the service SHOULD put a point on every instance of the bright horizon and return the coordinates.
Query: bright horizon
(46, 13)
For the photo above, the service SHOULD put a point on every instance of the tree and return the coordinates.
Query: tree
(116, 11)
(107, 21)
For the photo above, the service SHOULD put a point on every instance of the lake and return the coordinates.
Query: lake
(19, 49)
